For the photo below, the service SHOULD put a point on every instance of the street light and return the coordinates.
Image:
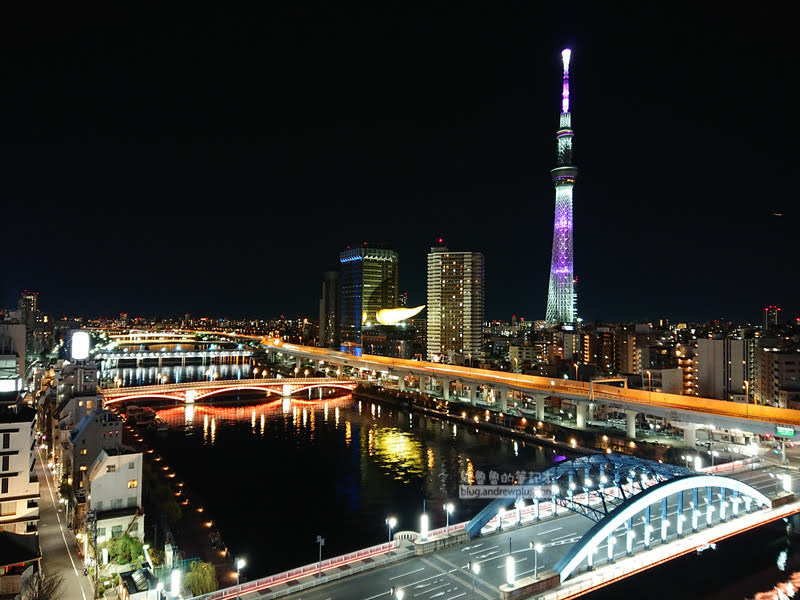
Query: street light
(475, 568)
(321, 542)
(537, 548)
(448, 509)
(239, 566)
(391, 522)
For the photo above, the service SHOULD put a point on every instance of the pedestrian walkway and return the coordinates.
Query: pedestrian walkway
(58, 544)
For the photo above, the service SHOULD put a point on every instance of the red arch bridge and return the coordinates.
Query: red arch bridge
(196, 391)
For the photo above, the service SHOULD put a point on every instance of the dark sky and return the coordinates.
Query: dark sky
(216, 161)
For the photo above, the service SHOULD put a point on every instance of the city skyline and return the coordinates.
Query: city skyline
(143, 158)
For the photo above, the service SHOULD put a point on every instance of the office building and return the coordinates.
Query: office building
(368, 283)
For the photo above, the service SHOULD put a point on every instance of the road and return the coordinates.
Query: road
(56, 541)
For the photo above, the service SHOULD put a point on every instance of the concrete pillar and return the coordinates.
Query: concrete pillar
(690, 436)
(580, 415)
(503, 394)
(401, 381)
(630, 421)
(446, 388)
(298, 362)
(539, 408)
(473, 398)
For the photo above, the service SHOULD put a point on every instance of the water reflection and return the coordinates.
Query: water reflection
(135, 376)
(359, 462)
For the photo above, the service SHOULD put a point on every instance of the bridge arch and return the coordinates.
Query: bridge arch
(141, 397)
(636, 504)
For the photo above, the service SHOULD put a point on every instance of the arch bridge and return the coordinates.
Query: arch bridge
(201, 390)
(631, 498)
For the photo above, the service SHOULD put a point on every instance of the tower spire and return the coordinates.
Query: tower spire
(561, 297)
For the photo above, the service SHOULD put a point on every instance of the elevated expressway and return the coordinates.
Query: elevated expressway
(687, 411)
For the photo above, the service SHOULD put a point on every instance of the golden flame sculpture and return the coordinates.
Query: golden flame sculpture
(392, 316)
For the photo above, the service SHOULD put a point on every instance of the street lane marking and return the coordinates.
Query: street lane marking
(409, 573)
(484, 550)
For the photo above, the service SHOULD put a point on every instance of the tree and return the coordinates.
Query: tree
(202, 578)
(43, 586)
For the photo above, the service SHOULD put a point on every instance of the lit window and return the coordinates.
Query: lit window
(133, 483)
(111, 468)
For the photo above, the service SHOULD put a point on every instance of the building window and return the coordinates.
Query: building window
(133, 483)
(8, 508)
(101, 532)
(130, 465)
(98, 507)
(132, 502)
(83, 467)
(83, 451)
(4, 464)
(111, 468)
(116, 504)
(134, 527)
(4, 485)
(116, 531)
(6, 440)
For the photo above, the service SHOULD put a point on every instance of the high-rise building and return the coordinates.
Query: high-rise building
(721, 367)
(455, 303)
(561, 296)
(329, 311)
(368, 283)
(772, 316)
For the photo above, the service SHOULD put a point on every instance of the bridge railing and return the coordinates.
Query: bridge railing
(299, 572)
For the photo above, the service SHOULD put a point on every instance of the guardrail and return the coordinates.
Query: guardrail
(317, 567)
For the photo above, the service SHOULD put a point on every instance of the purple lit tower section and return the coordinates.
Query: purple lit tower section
(561, 296)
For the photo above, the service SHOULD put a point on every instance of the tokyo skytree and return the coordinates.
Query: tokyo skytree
(561, 296)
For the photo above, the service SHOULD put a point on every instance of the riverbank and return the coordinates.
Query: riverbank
(546, 433)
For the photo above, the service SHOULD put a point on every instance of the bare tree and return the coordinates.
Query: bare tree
(43, 586)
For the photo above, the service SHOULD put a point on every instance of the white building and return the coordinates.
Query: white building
(19, 486)
(455, 304)
(721, 368)
(114, 485)
(12, 356)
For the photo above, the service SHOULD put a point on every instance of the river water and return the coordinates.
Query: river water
(273, 475)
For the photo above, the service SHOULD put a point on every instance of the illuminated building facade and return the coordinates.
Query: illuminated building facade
(561, 296)
(368, 283)
(455, 303)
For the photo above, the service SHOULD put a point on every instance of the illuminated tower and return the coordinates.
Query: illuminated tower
(561, 296)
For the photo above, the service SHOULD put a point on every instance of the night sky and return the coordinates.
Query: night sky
(215, 162)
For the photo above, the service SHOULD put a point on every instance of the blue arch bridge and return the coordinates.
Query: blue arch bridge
(590, 522)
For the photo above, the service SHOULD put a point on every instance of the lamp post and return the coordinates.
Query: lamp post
(475, 568)
(391, 522)
(321, 542)
(649, 381)
(500, 514)
(537, 548)
(448, 509)
(239, 566)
